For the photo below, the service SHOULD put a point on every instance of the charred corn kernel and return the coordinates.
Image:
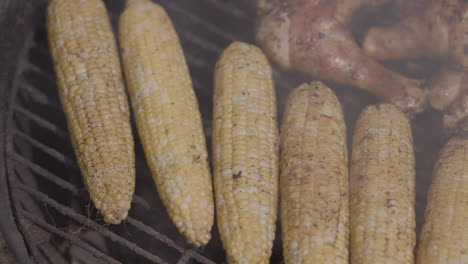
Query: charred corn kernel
(314, 177)
(382, 179)
(245, 149)
(167, 117)
(92, 93)
(444, 236)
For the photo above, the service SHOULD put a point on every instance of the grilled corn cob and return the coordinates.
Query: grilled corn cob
(314, 177)
(167, 117)
(444, 237)
(382, 179)
(92, 93)
(245, 150)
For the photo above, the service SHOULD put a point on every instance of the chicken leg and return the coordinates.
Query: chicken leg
(311, 37)
(439, 31)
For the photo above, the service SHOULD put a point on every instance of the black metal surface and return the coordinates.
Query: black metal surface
(15, 23)
(50, 209)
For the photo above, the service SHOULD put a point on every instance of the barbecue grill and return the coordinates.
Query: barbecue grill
(46, 213)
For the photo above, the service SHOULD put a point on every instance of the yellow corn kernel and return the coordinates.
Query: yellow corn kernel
(167, 117)
(382, 179)
(245, 151)
(444, 236)
(92, 93)
(314, 177)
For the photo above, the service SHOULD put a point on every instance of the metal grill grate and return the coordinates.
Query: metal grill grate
(52, 207)
(53, 210)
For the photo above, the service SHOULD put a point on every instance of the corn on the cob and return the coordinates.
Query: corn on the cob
(93, 97)
(444, 237)
(382, 179)
(314, 177)
(245, 150)
(167, 117)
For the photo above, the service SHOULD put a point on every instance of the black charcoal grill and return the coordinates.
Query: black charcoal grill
(46, 214)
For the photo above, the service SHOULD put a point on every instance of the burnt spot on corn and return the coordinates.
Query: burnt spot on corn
(237, 175)
(391, 203)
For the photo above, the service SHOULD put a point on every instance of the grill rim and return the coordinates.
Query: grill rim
(17, 22)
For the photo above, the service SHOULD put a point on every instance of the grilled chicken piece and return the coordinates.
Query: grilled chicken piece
(311, 37)
(439, 31)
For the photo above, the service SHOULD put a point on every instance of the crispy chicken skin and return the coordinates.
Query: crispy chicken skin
(311, 36)
(438, 31)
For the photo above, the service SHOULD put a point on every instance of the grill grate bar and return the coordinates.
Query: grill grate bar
(185, 258)
(39, 96)
(150, 231)
(75, 191)
(45, 173)
(201, 43)
(140, 201)
(173, 6)
(42, 122)
(196, 62)
(52, 254)
(197, 85)
(50, 151)
(40, 71)
(230, 9)
(66, 211)
(74, 239)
